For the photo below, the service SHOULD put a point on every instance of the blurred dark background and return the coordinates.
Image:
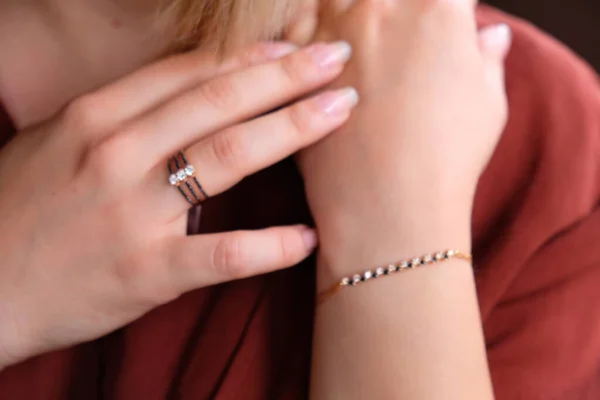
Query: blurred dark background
(574, 22)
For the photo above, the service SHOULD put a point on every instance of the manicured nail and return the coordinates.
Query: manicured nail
(497, 36)
(276, 50)
(310, 238)
(332, 54)
(337, 101)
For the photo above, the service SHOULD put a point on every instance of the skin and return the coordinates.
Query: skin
(405, 181)
(107, 149)
(411, 191)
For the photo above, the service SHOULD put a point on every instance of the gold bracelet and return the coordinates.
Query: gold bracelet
(368, 275)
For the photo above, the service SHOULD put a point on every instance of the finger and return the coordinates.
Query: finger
(302, 26)
(199, 261)
(232, 98)
(495, 43)
(222, 160)
(466, 5)
(145, 89)
(450, 30)
(333, 8)
(452, 17)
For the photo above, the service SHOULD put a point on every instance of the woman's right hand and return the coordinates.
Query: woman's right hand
(93, 235)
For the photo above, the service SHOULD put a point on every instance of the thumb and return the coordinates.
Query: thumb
(495, 42)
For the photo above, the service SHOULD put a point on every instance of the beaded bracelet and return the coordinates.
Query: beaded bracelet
(357, 279)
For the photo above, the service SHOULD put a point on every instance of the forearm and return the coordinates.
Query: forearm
(397, 182)
(415, 334)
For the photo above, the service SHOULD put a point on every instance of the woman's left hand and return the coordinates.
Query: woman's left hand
(404, 169)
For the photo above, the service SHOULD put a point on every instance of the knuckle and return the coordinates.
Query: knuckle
(105, 163)
(260, 51)
(300, 119)
(84, 112)
(440, 20)
(246, 57)
(100, 160)
(229, 150)
(444, 12)
(230, 257)
(299, 68)
(219, 93)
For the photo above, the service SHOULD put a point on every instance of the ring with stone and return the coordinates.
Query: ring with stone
(182, 176)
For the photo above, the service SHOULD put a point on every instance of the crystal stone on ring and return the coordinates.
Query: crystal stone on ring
(173, 179)
(189, 170)
(181, 175)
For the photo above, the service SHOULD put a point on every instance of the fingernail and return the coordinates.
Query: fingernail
(498, 36)
(310, 238)
(332, 54)
(336, 102)
(276, 50)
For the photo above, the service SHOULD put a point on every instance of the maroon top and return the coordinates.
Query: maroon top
(536, 234)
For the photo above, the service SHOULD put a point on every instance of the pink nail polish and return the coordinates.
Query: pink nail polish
(276, 50)
(337, 101)
(310, 238)
(330, 55)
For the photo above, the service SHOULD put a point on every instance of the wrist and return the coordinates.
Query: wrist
(350, 243)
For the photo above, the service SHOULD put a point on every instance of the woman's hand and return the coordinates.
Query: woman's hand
(93, 235)
(405, 167)
(398, 181)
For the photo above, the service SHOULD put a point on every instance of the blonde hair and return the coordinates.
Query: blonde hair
(226, 24)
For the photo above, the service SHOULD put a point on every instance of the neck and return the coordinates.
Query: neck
(55, 50)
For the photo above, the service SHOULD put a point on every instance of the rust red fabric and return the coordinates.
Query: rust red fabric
(537, 255)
